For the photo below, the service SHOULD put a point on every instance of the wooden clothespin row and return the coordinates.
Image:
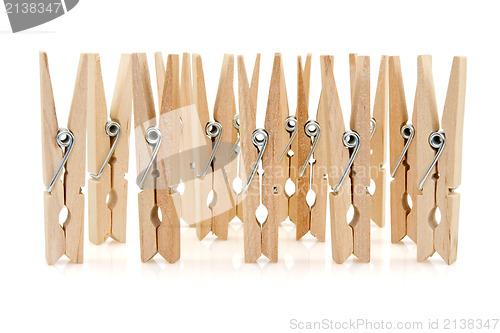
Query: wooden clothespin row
(216, 166)
(348, 162)
(309, 134)
(427, 159)
(108, 152)
(64, 150)
(157, 153)
(378, 142)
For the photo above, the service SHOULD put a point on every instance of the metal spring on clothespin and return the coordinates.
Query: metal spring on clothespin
(259, 140)
(313, 130)
(437, 141)
(351, 140)
(213, 129)
(65, 139)
(153, 137)
(407, 132)
(112, 130)
(291, 127)
(373, 126)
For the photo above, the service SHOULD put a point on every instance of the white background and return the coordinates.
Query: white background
(210, 289)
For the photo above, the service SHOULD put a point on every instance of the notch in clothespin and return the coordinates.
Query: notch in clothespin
(157, 153)
(439, 157)
(108, 152)
(253, 145)
(216, 166)
(309, 133)
(378, 125)
(348, 162)
(63, 152)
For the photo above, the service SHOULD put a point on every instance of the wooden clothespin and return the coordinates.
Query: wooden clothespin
(64, 150)
(309, 134)
(378, 137)
(291, 149)
(216, 167)
(253, 144)
(275, 171)
(402, 151)
(254, 89)
(157, 153)
(439, 158)
(348, 169)
(108, 152)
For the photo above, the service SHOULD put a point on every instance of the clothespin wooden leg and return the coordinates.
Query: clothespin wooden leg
(337, 159)
(250, 194)
(398, 157)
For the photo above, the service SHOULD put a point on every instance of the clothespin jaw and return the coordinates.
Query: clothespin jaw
(450, 163)
(275, 171)
(107, 165)
(401, 136)
(64, 150)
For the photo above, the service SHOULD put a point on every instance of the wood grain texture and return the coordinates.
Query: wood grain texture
(450, 163)
(74, 177)
(254, 89)
(52, 156)
(319, 180)
(251, 197)
(225, 162)
(398, 117)
(301, 210)
(426, 121)
(98, 147)
(337, 158)
(187, 173)
(360, 170)
(168, 162)
(378, 145)
(121, 112)
(144, 117)
(275, 172)
(203, 186)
